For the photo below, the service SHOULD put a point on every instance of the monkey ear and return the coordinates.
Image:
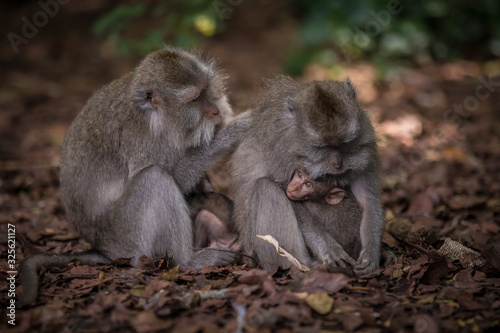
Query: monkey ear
(145, 99)
(351, 88)
(335, 196)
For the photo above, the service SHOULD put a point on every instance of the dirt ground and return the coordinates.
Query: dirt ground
(439, 137)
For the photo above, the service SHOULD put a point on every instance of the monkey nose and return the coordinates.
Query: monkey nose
(336, 160)
(214, 110)
(210, 108)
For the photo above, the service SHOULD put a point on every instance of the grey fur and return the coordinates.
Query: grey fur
(331, 232)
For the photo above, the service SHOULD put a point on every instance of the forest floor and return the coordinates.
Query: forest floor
(441, 172)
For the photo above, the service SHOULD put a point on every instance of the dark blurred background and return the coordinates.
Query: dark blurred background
(426, 71)
(417, 65)
(55, 53)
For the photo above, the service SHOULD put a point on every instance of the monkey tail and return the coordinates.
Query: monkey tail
(29, 268)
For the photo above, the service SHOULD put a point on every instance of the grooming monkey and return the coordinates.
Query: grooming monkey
(140, 145)
(319, 126)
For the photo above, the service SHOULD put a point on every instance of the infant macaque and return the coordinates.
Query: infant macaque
(345, 216)
(213, 225)
(302, 188)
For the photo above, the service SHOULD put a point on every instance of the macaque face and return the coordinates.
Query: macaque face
(201, 111)
(204, 102)
(176, 88)
(301, 187)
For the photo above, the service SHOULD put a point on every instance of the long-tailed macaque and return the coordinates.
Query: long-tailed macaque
(138, 147)
(318, 126)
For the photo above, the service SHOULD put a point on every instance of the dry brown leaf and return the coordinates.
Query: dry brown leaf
(321, 302)
(261, 278)
(149, 322)
(139, 291)
(318, 281)
(172, 274)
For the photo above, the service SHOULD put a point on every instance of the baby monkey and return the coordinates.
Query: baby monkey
(213, 224)
(335, 221)
(338, 227)
(302, 188)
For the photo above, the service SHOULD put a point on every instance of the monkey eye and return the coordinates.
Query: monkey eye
(308, 185)
(320, 145)
(196, 97)
(149, 96)
(300, 174)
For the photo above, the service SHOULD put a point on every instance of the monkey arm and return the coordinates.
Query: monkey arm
(190, 170)
(262, 208)
(366, 190)
(324, 247)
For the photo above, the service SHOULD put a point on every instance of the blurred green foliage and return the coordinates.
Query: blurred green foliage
(391, 32)
(180, 23)
(386, 32)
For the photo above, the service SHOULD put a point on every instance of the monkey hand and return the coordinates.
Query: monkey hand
(236, 247)
(231, 135)
(367, 263)
(191, 169)
(213, 256)
(337, 257)
(229, 243)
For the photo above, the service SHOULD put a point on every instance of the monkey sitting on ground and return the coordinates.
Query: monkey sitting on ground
(318, 126)
(139, 146)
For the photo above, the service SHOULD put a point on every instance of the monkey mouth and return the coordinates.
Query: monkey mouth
(216, 120)
(335, 171)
